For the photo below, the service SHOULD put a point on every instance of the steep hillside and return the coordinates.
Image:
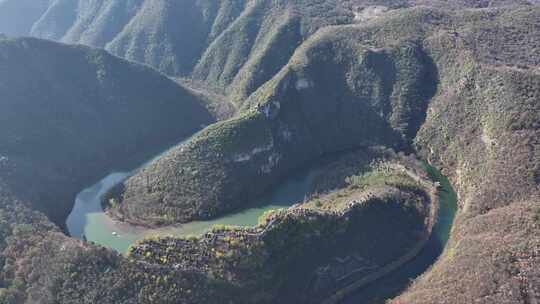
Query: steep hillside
(41, 265)
(334, 95)
(69, 114)
(93, 23)
(232, 46)
(171, 35)
(481, 128)
(458, 87)
(261, 41)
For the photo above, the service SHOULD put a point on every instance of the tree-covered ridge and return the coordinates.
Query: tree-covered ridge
(483, 110)
(232, 46)
(479, 123)
(42, 265)
(39, 263)
(373, 96)
(70, 113)
(290, 257)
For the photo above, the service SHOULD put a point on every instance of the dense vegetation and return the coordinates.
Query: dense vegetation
(484, 109)
(460, 87)
(69, 114)
(290, 257)
(375, 97)
(41, 264)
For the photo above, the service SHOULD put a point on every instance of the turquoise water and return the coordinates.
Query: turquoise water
(88, 218)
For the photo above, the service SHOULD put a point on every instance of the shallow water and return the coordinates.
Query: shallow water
(88, 218)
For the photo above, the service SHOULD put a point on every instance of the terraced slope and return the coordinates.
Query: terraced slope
(69, 113)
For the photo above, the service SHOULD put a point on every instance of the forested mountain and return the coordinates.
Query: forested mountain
(482, 108)
(455, 83)
(232, 46)
(68, 114)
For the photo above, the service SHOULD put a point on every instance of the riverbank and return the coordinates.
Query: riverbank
(88, 217)
(378, 222)
(388, 287)
(336, 217)
(433, 187)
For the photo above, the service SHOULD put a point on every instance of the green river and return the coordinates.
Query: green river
(87, 220)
